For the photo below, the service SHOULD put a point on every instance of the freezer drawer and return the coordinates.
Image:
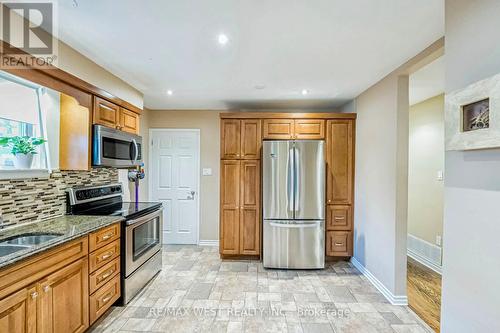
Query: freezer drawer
(294, 244)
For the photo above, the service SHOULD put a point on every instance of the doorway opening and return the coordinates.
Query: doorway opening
(425, 191)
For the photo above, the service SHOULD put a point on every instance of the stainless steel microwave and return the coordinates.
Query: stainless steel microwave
(114, 148)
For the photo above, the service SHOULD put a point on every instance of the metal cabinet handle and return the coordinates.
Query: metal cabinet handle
(34, 295)
(338, 218)
(338, 244)
(46, 289)
(106, 300)
(107, 236)
(106, 256)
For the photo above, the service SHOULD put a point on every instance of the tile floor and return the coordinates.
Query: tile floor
(197, 292)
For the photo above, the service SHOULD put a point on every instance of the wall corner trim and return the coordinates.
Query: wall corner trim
(393, 299)
(209, 242)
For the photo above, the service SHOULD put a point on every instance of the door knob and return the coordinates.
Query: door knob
(191, 195)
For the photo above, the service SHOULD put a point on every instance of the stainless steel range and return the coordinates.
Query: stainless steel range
(141, 231)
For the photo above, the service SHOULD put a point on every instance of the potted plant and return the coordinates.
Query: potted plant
(23, 148)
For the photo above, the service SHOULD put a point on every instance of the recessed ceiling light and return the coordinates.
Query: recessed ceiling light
(304, 92)
(222, 39)
(170, 92)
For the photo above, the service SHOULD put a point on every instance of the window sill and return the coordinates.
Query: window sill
(24, 173)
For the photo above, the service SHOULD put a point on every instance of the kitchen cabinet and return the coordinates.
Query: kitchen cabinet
(250, 208)
(18, 311)
(240, 139)
(63, 299)
(240, 207)
(241, 199)
(340, 162)
(111, 115)
(291, 129)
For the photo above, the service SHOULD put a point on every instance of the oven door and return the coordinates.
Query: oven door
(115, 148)
(143, 238)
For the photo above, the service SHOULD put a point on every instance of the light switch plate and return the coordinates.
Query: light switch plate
(440, 175)
(207, 172)
(438, 240)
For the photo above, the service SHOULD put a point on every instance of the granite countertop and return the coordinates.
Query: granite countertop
(69, 227)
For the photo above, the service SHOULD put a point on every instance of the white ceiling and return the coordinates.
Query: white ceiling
(333, 48)
(427, 82)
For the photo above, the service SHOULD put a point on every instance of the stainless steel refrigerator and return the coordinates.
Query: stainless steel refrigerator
(294, 204)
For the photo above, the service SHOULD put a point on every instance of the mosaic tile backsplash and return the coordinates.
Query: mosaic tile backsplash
(37, 199)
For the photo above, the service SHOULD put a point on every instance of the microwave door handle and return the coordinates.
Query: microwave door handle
(136, 147)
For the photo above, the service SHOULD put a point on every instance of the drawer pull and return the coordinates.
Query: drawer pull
(106, 237)
(107, 255)
(339, 218)
(106, 299)
(46, 289)
(107, 274)
(339, 244)
(34, 295)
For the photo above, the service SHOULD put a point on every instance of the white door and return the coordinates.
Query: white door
(174, 181)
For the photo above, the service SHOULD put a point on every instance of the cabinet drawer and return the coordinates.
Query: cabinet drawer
(104, 236)
(339, 243)
(104, 255)
(339, 218)
(103, 298)
(101, 276)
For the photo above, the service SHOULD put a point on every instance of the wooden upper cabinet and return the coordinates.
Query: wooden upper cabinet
(129, 121)
(18, 311)
(288, 129)
(340, 159)
(309, 129)
(106, 113)
(250, 208)
(64, 299)
(279, 129)
(230, 138)
(251, 139)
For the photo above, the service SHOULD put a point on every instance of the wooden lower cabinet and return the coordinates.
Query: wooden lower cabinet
(240, 207)
(339, 243)
(63, 300)
(18, 311)
(102, 299)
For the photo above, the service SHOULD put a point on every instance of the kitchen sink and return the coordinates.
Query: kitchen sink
(29, 239)
(6, 249)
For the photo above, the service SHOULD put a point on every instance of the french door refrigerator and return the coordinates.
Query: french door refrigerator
(294, 204)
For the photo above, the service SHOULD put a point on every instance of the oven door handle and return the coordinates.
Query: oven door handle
(145, 218)
(136, 148)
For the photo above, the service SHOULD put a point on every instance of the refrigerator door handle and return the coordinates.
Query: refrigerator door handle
(297, 179)
(289, 181)
(294, 225)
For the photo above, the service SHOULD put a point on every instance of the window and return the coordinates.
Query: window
(23, 109)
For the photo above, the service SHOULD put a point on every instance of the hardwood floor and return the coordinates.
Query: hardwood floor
(424, 293)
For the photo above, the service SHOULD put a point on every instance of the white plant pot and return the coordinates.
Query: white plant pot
(22, 161)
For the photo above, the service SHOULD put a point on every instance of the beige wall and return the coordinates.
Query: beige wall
(472, 181)
(426, 159)
(208, 123)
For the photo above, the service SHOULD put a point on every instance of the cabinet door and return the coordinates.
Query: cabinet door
(230, 207)
(18, 311)
(250, 208)
(129, 121)
(230, 138)
(340, 157)
(64, 300)
(339, 217)
(250, 139)
(309, 129)
(279, 129)
(339, 243)
(106, 113)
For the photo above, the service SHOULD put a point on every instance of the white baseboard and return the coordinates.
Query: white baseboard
(393, 299)
(425, 253)
(208, 242)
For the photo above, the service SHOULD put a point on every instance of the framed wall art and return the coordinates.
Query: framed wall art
(472, 116)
